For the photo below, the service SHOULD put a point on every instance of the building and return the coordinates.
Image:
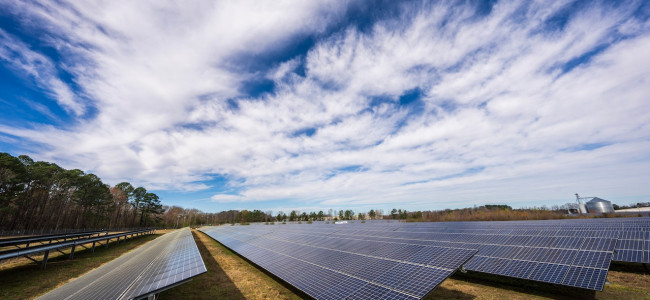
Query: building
(599, 206)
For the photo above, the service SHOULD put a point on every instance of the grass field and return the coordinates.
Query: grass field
(230, 276)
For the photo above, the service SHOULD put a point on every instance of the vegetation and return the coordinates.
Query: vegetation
(491, 213)
(633, 205)
(41, 195)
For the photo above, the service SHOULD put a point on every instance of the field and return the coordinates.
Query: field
(230, 276)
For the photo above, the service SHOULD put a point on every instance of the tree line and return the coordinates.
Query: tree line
(42, 195)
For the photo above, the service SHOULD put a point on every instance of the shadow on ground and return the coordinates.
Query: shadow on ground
(522, 286)
(445, 293)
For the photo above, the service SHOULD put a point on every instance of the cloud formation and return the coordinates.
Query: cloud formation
(431, 106)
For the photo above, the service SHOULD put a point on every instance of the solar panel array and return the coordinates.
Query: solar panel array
(334, 267)
(634, 245)
(568, 252)
(572, 252)
(549, 256)
(168, 260)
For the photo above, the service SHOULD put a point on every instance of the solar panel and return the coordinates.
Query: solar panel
(168, 260)
(567, 252)
(559, 241)
(328, 266)
(551, 241)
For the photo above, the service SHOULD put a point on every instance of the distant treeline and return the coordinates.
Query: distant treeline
(633, 205)
(43, 196)
(38, 195)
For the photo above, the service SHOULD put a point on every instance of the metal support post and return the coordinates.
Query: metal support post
(44, 262)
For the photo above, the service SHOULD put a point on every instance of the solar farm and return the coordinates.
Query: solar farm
(393, 260)
(371, 259)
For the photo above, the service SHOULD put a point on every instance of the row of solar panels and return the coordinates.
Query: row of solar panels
(55, 244)
(632, 234)
(49, 238)
(548, 251)
(633, 247)
(162, 263)
(632, 242)
(324, 269)
(539, 257)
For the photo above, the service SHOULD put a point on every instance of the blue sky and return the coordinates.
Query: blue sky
(315, 105)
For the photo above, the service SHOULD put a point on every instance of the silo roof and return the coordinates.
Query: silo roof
(596, 199)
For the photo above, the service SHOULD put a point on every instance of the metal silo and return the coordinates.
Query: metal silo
(599, 206)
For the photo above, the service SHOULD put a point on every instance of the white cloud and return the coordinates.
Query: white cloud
(498, 120)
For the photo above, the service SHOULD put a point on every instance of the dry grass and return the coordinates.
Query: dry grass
(228, 277)
(632, 283)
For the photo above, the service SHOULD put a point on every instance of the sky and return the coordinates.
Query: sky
(317, 105)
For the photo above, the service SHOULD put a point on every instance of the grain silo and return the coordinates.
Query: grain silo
(599, 206)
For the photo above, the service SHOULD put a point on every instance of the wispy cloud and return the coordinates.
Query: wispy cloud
(500, 104)
(40, 69)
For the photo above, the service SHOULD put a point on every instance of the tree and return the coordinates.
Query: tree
(293, 216)
(372, 214)
(42, 195)
(151, 207)
(341, 214)
(13, 176)
(393, 213)
(321, 216)
(137, 199)
(281, 216)
(122, 193)
(93, 196)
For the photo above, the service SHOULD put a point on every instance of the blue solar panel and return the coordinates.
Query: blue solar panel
(559, 256)
(600, 244)
(594, 259)
(423, 280)
(551, 273)
(491, 265)
(629, 256)
(395, 275)
(520, 269)
(629, 244)
(588, 278)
